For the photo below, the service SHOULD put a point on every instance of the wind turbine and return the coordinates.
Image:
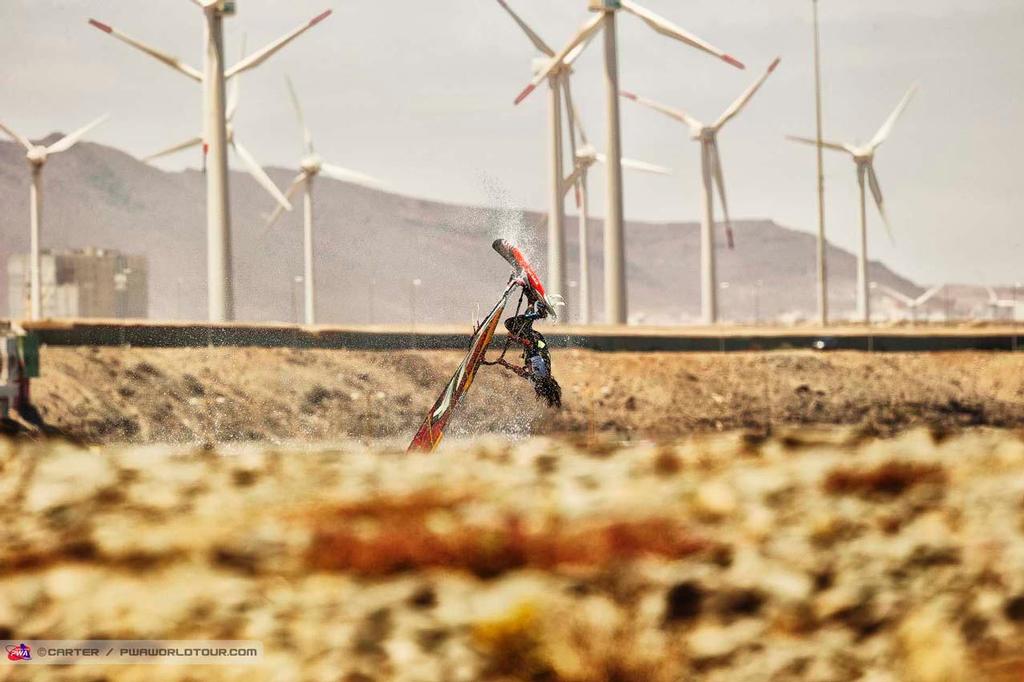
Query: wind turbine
(558, 82)
(912, 303)
(36, 155)
(997, 304)
(711, 175)
(864, 158)
(311, 166)
(584, 156)
(215, 136)
(250, 162)
(604, 19)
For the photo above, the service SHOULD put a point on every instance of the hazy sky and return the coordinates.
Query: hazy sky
(420, 94)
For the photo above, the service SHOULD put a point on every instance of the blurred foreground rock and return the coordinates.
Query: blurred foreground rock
(806, 556)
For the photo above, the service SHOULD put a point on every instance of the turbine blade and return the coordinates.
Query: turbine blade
(69, 141)
(928, 295)
(665, 27)
(570, 111)
(205, 4)
(174, 148)
(260, 56)
(876, 192)
(256, 171)
(632, 164)
(890, 122)
(719, 178)
(167, 59)
(23, 141)
(307, 137)
(898, 295)
(297, 182)
(677, 114)
(235, 87)
(530, 33)
(645, 167)
(582, 37)
(572, 179)
(837, 146)
(346, 175)
(737, 106)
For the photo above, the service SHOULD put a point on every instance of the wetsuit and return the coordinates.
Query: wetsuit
(536, 359)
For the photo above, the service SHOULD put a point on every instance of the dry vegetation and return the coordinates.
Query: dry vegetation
(194, 395)
(805, 555)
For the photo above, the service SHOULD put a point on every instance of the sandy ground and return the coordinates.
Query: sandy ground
(186, 395)
(810, 555)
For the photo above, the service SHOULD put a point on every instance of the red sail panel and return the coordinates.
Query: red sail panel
(431, 431)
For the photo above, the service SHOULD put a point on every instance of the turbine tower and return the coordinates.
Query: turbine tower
(36, 155)
(864, 158)
(215, 136)
(614, 246)
(558, 83)
(311, 166)
(711, 175)
(585, 156)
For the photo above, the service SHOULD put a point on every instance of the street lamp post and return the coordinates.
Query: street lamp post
(296, 286)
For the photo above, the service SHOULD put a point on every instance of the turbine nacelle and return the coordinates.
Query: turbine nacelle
(36, 156)
(311, 164)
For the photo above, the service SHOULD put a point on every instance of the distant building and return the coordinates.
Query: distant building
(82, 283)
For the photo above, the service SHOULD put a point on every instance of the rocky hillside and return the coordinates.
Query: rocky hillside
(372, 244)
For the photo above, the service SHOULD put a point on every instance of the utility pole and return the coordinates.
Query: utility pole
(822, 267)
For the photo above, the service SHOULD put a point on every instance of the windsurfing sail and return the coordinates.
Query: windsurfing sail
(432, 429)
(518, 261)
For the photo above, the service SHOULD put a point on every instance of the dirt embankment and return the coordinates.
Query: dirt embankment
(814, 556)
(148, 395)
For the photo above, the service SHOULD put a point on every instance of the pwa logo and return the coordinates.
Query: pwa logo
(19, 652)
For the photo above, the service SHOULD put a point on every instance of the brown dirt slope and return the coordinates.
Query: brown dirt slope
(147, 395)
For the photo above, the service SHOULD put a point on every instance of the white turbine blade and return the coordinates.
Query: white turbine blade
(677, 114)
(741, 102)
(167, 59)
(837, 146)
(307, 137)
(898, 295)
(297, 182)
(21, 140)
(256, 170)
(581, 38)
(174, 148)
(890, 122)
(876, 192)
(645, 167)
(205, 4)
(235, 87)
(716, 163)
(666, 27)
(346, 175)
(993, 299)
(530, 33)
(69, 141)
(572, 179)
(633, 164)
(927, 296)
(574, 54)
(570, 111)
(257, 58)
